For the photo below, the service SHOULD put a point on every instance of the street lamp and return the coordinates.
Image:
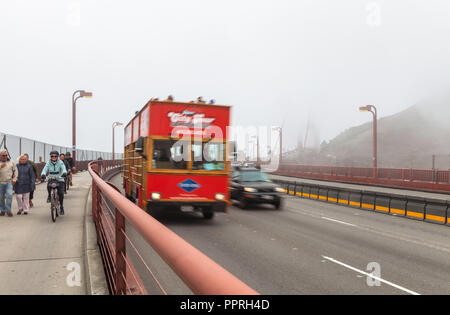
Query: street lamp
(373, 110)
(114, 125)
(81, 93)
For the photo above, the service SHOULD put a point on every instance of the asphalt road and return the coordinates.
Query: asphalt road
(311, 247)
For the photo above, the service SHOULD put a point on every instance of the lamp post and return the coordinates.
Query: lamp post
(373, 110)
(114, 125)
(75, 97)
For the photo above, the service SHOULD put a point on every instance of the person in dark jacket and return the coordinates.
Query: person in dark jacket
(25, 184)
(62, 157)
(36, 176)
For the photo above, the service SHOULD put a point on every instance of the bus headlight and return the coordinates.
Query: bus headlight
(220, 197)
(249, 189)
(280, 190)
(156, 196)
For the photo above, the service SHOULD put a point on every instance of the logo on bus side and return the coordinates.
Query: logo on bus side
(189, 185)
(189, 119)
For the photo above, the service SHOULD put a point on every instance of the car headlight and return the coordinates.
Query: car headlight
(279, 189)
(249, 189)
(220, 197)
(156, 196)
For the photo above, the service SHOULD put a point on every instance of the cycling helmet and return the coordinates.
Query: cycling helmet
(68, 154)
(54, 153)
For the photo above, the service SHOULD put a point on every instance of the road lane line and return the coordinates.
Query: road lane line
(371, 276)
(367, 228)
(337, 221)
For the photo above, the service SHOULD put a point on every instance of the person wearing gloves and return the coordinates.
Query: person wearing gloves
(56, 170)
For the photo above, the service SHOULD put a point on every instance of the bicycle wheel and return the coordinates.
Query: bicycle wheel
(54, 206)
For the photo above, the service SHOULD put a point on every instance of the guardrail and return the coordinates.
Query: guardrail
(413, 207)
(111, 210)
(424, 179)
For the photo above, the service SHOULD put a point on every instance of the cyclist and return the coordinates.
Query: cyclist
(69, 159)
(56, 169)
(62, 157)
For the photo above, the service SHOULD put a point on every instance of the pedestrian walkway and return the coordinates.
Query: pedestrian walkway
(38, 256)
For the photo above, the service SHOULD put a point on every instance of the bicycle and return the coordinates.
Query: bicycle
(54, 198)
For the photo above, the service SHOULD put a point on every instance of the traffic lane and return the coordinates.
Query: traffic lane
(281, 264)
(282, 252)
(411, 252)
(423, 233)
(264, 264)
(403, 262)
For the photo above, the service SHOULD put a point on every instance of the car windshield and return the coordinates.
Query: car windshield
(254, 176)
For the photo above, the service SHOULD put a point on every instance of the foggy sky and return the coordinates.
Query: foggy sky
(277, 62)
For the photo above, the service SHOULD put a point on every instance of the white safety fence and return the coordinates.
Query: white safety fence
(40, 151)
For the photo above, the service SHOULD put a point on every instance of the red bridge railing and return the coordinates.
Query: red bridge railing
(111, 210)
(426, 179)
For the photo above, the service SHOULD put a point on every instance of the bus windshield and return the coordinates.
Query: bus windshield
(170, 154)
(208, 156)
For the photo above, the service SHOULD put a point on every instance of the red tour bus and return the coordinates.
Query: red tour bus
(175, 157)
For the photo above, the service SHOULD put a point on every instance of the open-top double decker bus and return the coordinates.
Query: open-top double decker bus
(175, 157)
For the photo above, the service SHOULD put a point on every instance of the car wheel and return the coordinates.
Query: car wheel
(243, 203)
(279, 205)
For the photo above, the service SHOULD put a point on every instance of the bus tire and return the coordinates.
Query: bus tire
(208, 214)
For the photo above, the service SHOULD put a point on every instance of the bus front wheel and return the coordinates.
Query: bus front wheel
(208, 214)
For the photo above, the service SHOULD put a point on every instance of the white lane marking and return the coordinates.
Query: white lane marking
(337, 221)
(394, 235)
(371, 276)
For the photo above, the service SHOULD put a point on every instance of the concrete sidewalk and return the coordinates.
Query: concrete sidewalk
(38, 256)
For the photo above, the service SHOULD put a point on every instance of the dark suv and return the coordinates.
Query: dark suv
(252, 186)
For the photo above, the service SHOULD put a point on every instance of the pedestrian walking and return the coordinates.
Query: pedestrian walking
(25, 184)
(36, 176)
(8, 177)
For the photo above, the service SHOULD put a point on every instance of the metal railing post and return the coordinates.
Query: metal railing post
(121, 267)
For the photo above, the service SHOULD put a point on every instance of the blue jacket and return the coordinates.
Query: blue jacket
(55, 170)
(26, 180)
